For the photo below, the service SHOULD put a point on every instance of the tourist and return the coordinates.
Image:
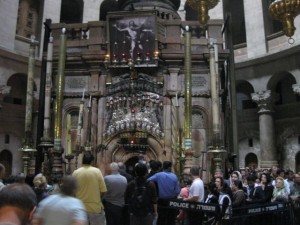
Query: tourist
(61, 208)
(17, 204)
(168, 189)
(113, 199)
(91, 186)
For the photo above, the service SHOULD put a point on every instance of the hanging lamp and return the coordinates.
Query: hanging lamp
(285, 11)
(202, 7)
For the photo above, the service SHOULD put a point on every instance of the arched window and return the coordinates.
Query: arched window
(251, 161)
(6, 160)
(243, 94)
(18, 84)
(71, 11)
(236, 10)
(281, 87)
(271, 26)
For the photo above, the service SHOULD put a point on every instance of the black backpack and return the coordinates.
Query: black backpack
(140, 204)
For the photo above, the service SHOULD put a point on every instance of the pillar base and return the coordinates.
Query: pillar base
(268, 164)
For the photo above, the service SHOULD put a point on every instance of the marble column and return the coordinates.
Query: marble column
(266, 128)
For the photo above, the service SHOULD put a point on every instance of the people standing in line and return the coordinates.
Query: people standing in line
(184, 193)
(254, 194)
(295, 197)
(196, 194)
(113, 199)
(224, 200)
(212, 198)
(40, 187)
(2, 174)
(91, 186)
(141, 197)
(226, 188)
(280, 173)
(129, 177)
(289, 177)
(266, 186)
(122, 171)
(17, 204)
(239, 196)
(168, 189)
(280, 193)
(155, 167)
(61, 208)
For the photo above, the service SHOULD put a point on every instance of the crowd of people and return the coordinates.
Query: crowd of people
(120, 198)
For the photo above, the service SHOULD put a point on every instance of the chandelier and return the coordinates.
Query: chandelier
(202, 7)
(285, 11)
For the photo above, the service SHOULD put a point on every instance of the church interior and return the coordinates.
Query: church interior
(214, 83)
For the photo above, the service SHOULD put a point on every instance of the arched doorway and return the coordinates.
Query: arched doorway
(6, 160)
(130, 163)
(251, 161)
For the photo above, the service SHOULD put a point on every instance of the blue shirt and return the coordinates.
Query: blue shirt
(167, 182)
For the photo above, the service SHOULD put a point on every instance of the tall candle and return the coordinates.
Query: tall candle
(83, 95)
(69, 139)
(176, 100)
(90, 102)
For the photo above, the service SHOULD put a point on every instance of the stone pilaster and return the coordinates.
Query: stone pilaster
(266, 128)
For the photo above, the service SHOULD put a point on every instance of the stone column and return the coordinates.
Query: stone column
(266, 128)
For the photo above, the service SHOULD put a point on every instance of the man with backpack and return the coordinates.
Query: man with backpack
(141, 197)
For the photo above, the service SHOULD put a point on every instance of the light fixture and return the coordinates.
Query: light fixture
(285, 11)
(202, 7)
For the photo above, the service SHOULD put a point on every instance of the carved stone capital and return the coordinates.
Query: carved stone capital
(263, 99)
(4, 90)
(296, 89)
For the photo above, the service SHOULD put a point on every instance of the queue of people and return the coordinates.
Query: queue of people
(88, 197)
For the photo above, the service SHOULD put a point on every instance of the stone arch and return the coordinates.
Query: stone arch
(71, 11)
(251, 160)
(18, 84)
(117, 153)
(243, 94)
(6, 158)
(280, 85)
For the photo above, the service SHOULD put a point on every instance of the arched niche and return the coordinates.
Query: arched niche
(243, 94)
(280, 85)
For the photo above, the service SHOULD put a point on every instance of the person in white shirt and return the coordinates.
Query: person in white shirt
(196, 194)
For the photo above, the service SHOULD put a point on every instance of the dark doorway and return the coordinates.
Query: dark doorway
(130, 163)
(6, 160)
(251, 161)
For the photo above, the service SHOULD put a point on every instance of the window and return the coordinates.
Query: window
(250, 142)
(6, 139)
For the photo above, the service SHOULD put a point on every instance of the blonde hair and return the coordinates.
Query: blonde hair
(40, 181)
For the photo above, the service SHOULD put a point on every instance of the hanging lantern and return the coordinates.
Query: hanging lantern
(285, 11)
(202, 7)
